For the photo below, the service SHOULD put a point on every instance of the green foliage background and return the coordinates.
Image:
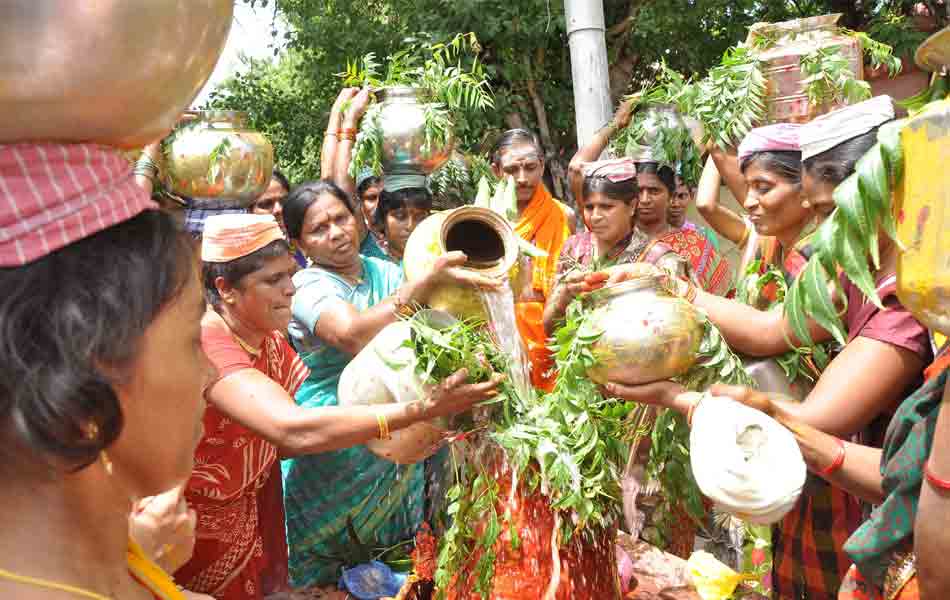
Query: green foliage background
(525, 51)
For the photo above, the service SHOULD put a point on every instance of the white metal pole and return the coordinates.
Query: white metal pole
(588, 43)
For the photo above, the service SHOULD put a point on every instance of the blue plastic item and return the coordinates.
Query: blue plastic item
(372, 581)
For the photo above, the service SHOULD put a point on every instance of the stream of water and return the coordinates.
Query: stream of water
(500, 306)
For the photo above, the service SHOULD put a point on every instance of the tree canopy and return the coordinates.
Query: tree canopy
(525, 53)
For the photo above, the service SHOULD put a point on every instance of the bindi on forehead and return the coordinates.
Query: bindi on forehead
(520, 155)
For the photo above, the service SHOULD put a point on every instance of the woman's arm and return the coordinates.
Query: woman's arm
(592, 151)
(724, 221)
(260, 404)
(727, 164)
(351, 122)
(932, 526)
(348, 329)
(331, 139)
(859, 474)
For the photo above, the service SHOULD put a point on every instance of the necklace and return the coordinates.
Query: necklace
(45, 583)
(255, 352)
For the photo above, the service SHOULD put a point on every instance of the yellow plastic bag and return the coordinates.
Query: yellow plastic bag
(712, 579)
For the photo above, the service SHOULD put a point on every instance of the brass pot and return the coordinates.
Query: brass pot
(219, 157)
(384, 372)
(648, 334)
(923, 203)
(484, 236)
(402, 121)
(115, 72)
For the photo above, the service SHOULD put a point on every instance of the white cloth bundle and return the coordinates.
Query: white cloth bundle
(839, 126)
(745, 461)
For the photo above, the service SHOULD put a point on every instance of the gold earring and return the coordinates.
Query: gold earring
(106, 462)
(806, 204)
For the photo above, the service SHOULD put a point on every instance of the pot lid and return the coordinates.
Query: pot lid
(934, 53)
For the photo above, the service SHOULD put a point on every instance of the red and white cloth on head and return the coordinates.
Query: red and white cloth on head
(615, 170)
(839, 126)
(52, 195)
(230, 237)
(781, 137)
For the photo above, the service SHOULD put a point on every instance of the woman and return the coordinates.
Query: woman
(679, 205)
(404, 203)
(271, 202)
(890, 347)
(766, 178)
(368, 189)
(657, 184)
(340, 304)
(95, 353)
(236, 485)
(609, 201)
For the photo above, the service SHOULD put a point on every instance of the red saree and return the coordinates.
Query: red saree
(709, 268)
(241, 548)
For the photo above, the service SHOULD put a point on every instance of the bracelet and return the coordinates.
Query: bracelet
(933, 480)
(348, 131)
(145, 167)
(383, 427)
(349, 137)
(836, 463)
(401, 308)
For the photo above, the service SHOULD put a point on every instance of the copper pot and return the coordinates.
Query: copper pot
(219, 156)
(116, 72)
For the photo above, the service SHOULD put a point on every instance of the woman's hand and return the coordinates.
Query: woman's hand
(454, 396)
(345, 95)
(665, 394)
(449, 269)
(357, 108)
(625, 112)
(164, 527)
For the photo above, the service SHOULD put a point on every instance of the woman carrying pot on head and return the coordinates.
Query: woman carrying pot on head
(886, 351)
(404, 203)
(100, 317)
(609, 200)
(340, 304)
(542, 221)
(702, 261)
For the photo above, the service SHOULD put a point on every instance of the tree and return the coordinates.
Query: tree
(524, 49)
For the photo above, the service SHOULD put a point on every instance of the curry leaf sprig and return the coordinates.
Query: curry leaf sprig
(731, 99)
(829, 78)
(848, 239)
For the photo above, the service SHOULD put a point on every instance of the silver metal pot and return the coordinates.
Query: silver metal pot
(402, 120)
(654, 118)
(770, 377)
(219, 157)
(115, 72)
(648, 334)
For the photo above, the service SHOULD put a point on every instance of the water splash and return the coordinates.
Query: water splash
(500, 306)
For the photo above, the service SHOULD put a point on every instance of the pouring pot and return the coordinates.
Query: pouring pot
(115, 72)
(218, 156)
(402, 122)
(384, 372)
(483, 235)
(648, 334)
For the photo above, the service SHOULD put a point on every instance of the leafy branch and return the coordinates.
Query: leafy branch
(829, 78)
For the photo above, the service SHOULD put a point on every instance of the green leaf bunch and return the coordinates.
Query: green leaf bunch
(731, 98)
(848, 240)
(829, 78)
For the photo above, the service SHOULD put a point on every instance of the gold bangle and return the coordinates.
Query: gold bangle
(383, 427)
(331, 134)
(691, 291)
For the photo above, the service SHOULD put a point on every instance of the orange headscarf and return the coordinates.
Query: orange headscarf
(544, 224)
(230, 237)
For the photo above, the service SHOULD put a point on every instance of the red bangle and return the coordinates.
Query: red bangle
(940, 484)
(836, 463)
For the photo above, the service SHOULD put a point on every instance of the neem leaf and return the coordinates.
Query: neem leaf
(818, 302)
(853, 259)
